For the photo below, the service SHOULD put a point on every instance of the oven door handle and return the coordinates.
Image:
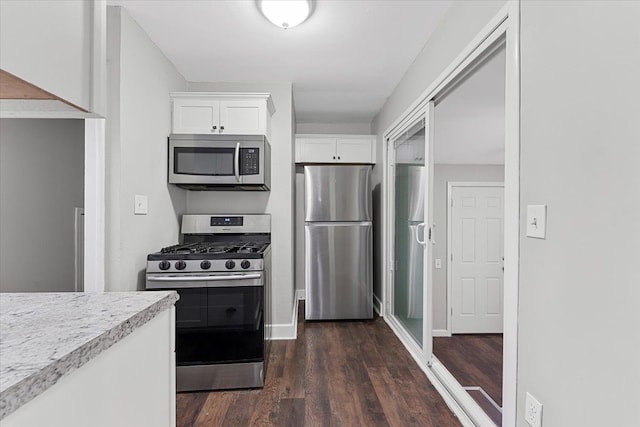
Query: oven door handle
(203, 278)
(237, 161)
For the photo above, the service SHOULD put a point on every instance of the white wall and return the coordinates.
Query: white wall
(41, 182)
(458, 27)
(54, 50)
(278, 202)
(139, 121)
(339, 128)
(578, 337)
(442, 175)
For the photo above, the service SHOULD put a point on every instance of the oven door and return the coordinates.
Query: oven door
(219, 320)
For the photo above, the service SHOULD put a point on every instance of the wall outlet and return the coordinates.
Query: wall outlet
(533, 411)
(140, 206)
(438, 263)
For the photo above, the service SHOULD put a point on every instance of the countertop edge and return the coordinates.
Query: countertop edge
(34, 385)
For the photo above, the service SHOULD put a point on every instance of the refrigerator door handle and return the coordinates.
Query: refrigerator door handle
(421, 225)
(334, 223)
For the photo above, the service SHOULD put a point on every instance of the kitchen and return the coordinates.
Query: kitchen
(140, 124)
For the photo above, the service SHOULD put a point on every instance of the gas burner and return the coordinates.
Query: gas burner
(177, 249)
(211, 250)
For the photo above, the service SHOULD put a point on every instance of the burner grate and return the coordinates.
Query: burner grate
(215, 248)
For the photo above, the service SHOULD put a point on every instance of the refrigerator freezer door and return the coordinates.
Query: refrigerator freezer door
(338, 270)
(337, 193)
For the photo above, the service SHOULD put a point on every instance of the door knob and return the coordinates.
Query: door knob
(221, 128)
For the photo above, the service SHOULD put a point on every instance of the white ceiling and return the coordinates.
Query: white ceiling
(344, 61)
(470, 120)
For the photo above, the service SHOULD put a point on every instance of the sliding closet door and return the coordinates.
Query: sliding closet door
(410, 177)
(409, 192)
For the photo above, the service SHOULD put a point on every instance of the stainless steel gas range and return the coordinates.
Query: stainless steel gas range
(221, 270)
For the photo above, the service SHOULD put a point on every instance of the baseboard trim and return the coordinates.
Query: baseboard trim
(441, 333)
(286, 331)
(377, 305)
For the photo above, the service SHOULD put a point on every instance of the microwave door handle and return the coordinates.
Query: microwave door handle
(237, 162)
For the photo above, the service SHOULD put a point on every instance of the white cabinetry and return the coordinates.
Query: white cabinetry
(335, 148)
(222, 113)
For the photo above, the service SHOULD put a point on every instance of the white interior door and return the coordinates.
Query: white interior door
(477, 259)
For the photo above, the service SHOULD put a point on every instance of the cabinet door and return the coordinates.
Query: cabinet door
(354, 150)
(318, 150)
(195, 116)
(244, 117)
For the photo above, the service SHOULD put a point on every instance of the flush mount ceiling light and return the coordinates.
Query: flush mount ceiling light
(285, 13)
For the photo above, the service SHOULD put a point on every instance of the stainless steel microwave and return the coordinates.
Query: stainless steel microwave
(220, 162)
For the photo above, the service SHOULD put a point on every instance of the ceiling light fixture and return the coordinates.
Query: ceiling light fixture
(285, 13)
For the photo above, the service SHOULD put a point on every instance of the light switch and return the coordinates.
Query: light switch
(438, 263)
(140, 205)
(537, 221)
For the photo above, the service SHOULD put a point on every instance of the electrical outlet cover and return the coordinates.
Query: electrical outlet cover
(533, 411)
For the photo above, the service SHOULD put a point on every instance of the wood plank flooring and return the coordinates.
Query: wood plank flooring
(334, 374)
(473, 360)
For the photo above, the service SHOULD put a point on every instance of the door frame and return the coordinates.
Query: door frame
(450, 187)
(78, 249)
(505, 24)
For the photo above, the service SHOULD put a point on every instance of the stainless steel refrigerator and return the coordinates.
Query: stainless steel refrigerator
(338, 242)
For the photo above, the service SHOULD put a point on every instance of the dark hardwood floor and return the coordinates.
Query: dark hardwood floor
(473, 360)
(334, 374)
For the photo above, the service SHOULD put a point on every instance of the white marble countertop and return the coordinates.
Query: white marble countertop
(44, 336)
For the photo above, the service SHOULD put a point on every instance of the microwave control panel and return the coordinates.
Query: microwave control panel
(249, 161)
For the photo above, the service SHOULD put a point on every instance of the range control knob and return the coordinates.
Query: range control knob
(230, 265)
(205, 265)
(181, 265)
(245, 264)
(164, 265)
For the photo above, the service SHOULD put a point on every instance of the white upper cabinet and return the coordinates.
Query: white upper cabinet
(222, 113)
(315, 150)
(335, 149)
(195, 115)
